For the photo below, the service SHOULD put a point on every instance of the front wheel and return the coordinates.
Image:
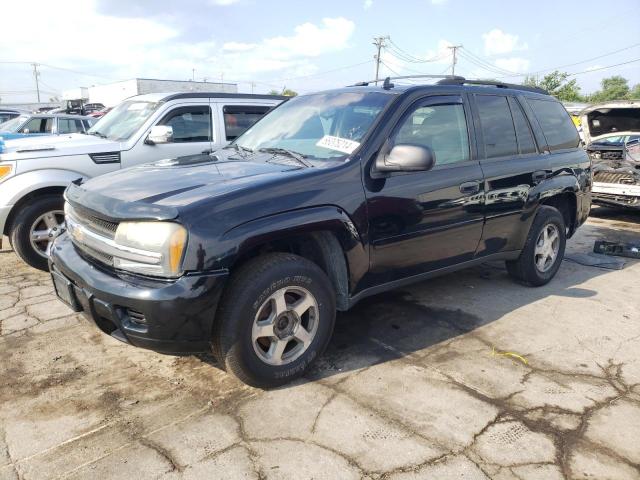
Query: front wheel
(35, 227)
(276, 317)
(543, 250)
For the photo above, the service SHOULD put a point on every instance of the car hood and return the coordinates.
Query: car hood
(610, 118)
(56, 146)
(176, 182)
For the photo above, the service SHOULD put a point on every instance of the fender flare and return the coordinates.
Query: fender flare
(242, 238)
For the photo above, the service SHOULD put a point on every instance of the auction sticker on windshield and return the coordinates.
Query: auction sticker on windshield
(340, 144)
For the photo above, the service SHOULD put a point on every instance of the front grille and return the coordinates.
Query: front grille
(614, 177)
(94, 254)
(136, 317)
(93, 223)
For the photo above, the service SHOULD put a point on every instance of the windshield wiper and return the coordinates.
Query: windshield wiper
(300, 158)
(242, 151)
(98, 134)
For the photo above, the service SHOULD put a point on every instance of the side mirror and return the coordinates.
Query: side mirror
(25, 130)
(159, 134)
(406, 158)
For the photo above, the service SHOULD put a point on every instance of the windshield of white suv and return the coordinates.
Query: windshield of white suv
(322, 126)
(124, 120)
(13, 124)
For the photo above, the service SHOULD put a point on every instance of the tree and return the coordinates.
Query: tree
(612, 88)
(557, 85)
(287, 92)
(635, 92)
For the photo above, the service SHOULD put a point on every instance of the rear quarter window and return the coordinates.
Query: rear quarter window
(556, 124)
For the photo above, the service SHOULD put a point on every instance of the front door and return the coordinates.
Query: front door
(192, 134)
(425, 221)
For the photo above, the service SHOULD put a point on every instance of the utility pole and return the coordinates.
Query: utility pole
(379, 43)
(253, 84)
(193, 74)
(36, 74)
(454, 60)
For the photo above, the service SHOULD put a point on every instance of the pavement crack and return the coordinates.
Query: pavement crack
(163, 452)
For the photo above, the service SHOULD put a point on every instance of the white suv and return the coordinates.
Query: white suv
(34, 172)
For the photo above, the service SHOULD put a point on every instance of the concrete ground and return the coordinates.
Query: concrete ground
(466, 376)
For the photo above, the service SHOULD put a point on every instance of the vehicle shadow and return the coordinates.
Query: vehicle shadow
(391, 325)
(395, 324)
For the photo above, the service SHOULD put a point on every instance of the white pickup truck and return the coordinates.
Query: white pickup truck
(34, 172)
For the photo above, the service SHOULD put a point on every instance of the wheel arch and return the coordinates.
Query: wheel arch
(323, 235)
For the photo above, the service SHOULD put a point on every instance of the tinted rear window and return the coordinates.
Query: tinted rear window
(497, 126)
(556, 124)
(523, 131)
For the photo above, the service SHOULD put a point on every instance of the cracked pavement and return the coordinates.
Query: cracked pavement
(414, 385)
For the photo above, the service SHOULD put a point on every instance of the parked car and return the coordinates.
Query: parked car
(330, 198)
(8, 114)
(611, 130)
(100, 113)
(44, 124)
(34, 172)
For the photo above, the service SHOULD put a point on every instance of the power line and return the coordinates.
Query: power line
(604, 68)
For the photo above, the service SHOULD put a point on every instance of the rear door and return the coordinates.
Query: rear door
(512, 164)
(425, 221)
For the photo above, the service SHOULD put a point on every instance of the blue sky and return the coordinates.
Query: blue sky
(304, 45)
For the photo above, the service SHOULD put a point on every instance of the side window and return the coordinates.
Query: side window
(189, 124)
(526, 143)
(441, 127)
(556, 124)
(69, 125)
(497, 126)
(38, 125)
(239, 118)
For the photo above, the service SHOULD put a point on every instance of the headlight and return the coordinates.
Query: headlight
(165, 239)
(6, 169)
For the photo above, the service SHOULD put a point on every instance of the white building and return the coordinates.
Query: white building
(113, 93)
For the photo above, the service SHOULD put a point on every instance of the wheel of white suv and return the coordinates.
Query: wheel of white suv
(276, 317)
(35, 227)
(543, 250)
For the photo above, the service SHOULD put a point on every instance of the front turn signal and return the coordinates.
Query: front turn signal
(5, 170)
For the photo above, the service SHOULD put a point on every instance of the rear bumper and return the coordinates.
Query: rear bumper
(166, 316)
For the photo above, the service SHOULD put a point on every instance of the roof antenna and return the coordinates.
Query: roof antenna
(387, 85)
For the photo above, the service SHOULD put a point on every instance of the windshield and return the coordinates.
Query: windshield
(124, 120)
(323, 126)
(13, 124)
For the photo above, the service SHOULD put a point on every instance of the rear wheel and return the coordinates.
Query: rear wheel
(35, 227)
(543, 250)
(275, 319)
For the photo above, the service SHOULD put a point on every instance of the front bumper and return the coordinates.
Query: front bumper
(616, 194)
(166, 316)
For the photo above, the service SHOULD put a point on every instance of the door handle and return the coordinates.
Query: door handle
(206, 152)
(539, 175)
(470, 188)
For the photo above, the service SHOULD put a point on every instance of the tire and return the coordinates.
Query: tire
(249, 308)
(526, 269)
(24, 222)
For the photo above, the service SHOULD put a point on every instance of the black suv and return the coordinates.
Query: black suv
(331, 197)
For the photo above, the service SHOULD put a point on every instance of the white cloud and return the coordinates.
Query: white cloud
(238, 46)
(515, 65)
(148, 47)
(224, 3)
(367, 4)
(439, 2)
(497, 42)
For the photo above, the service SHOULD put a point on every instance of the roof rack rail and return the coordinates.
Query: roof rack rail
(453, 80)
(387, 80)
(492, 83)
